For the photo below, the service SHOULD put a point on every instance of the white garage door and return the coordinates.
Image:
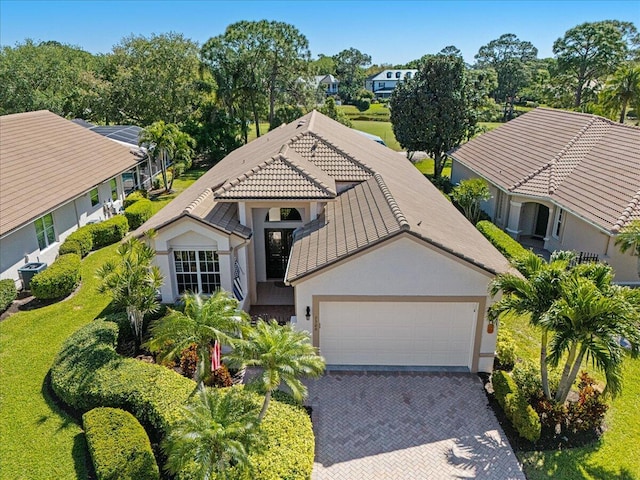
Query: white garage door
(397, 333)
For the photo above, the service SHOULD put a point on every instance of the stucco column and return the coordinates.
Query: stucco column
(163, 263)
(226, 269)
(513, 224)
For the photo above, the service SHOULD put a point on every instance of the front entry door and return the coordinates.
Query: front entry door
(278, 245)
(542, 218)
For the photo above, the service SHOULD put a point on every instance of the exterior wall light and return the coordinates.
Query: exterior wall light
(308, 313)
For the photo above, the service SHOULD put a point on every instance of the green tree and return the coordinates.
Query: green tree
(204, 321)
(532, 294)
(166, 143)
(350, 65)
(331, 110)
(468, 194)
(218, 430)
(133, 282)
(628, 240)
(216, 133)
(323, 65)
(510, 58)
(586, 322)
(434, 111)
(621, 90)
(283, 354)
(591, 51)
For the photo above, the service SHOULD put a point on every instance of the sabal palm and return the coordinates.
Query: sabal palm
(622, 90)
(284, 355)
(132, 281)
(628, 240)
(217, 431)
(203, 322)
(587, 321)
(532, 294)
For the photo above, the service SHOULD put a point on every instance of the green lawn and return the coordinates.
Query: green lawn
(614, 457)
(37, 439)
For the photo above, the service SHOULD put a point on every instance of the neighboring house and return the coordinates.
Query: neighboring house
(381, 268)
(382, 84)
(55, 176)
(571, 180)
(129, 135)
(328, 83)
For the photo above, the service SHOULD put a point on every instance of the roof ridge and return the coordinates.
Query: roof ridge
(199, 199)
(584, 114)
(228, 184)
(350, 157)
(625, 216)
(395, 208)
(295, 164)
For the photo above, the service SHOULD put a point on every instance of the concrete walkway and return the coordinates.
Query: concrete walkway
(406, 426)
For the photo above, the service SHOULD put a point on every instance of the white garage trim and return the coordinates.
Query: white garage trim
(477, 335)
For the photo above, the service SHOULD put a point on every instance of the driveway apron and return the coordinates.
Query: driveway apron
(400, 426)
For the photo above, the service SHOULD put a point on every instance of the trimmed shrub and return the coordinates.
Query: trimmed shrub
(522, 416)
(138, 213)
(83, 237)
(501, 240)
(119, 446)
(109, 232)
(70, 246)
(503, 385)
(133, 197)
(505, 350)
(8, 293)
(59, 280)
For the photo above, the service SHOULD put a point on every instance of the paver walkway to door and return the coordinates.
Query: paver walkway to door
(406, 426)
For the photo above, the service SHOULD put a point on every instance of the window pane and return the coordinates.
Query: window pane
(51, 235)
(114, 189)
(95, 200)
(41, 241)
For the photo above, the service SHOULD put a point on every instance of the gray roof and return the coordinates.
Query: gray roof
(584, 163)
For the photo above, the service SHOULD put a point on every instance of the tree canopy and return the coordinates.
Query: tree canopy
(350, 65)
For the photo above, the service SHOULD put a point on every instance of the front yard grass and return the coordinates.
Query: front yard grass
(614, 456)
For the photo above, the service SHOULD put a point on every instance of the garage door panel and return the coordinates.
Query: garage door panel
(397, 333)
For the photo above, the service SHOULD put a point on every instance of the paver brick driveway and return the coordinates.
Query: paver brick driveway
(406, 426)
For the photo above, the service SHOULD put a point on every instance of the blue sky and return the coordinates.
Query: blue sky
(390, 31)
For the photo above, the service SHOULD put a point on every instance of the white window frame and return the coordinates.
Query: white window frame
(558, 223)
(48, 232)
(97, 196)
(113, 184)
(192, 265)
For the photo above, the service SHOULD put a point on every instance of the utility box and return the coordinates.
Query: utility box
(28, 271)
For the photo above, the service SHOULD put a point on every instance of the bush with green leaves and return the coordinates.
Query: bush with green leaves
(501, 240)
(468, 195)
(83, 237)
(8, 293)
(109, 232)
(133, 197)
(59, 280)
(503, 385)
(119, 446)
(138, 213)
(522, 416)
(505, 350)
(70, 246)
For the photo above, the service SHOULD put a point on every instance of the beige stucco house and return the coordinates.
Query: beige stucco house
(569, 180)
(368, 256)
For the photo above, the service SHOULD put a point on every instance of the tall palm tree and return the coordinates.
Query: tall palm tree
(133, 282)
(284, 355)
(217, 431)
(629, 240)
(622, 90)
(587, 321)
(532, 294)
(203, 322)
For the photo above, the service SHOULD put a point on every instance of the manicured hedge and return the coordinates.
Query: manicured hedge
(84, 238)
(70, 246)
(501, 240)
(88, 373)
(133, 197)
(523, 417)
(138, 213)
(59, 280)
(8, 293)
(109, 232)
(119, 446)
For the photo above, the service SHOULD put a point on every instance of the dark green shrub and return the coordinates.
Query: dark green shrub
(523, 417)
(138, 213)
(83, 237)
(59, 280)
(505, 350)
(503, 385)
(527, 377)
(119, 446)
(501, 240)
(109, 232)
(133, 197)
(70, 246)
(441, 183)
(8, 293)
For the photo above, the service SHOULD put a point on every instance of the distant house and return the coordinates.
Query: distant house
(382, 84)
(569, 180)
(56, 176)
(328, 83)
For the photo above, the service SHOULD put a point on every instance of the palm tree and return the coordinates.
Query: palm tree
(587, 321)
(133, 282)
(284, 355)
(204, 321)
(165, 142)
(622, 90)
(629, 240)
(217, 432)
(532, 294)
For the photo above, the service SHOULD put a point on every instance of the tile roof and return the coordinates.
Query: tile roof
(397, 197)
(584, 163)
(47, 161)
